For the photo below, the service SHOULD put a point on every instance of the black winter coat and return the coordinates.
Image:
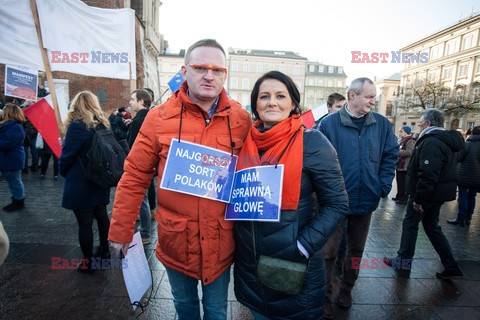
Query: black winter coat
(469, 163)
(321, 174)
(432, 171)
(135, 126)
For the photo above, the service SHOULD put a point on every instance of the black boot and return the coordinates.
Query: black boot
(102, 252)
(15, 205)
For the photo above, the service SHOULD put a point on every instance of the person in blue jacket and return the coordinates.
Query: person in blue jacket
(12, 154)
(367, 150)
(87, 200)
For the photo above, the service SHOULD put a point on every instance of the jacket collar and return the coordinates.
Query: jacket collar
(223, 104)
(347, 121)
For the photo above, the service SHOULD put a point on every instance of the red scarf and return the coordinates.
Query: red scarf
(284, 145)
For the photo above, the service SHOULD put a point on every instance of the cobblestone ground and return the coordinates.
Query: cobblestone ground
(30, 289)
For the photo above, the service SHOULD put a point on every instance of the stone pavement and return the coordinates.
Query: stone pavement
(31, 289)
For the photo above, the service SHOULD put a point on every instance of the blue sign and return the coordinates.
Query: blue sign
(256, 194)
(199, 171)
(21, 82)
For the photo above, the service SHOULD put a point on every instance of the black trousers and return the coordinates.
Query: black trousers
(429, 218)
(401, 185)
(85, 233)
(45, 160)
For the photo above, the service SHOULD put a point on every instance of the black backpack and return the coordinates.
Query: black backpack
(105, 158)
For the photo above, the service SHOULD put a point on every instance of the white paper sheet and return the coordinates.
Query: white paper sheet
(136, 271)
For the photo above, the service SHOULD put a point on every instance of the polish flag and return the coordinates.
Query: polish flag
(313, 115)
(42, 116)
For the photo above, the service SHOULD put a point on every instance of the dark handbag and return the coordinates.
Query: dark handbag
(281, 275)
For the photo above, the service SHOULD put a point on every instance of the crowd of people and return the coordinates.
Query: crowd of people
(333, 179)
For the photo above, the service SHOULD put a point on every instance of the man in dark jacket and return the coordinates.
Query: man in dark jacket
(140, 103)
(431, 181)
(120, 127)
(468, 178)
(367, 150)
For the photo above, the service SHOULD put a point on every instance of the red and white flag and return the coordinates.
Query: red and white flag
(313, 115)
(42, 116)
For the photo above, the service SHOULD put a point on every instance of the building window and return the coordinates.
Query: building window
(246, 67)
(271, 67)
(447, 73)
(340, 83)
(451, 47)
(476, 93)
(259, 67)
(467, 42)
(321, 68)
(330, 69)
(245, 84)
(330, 83)
(283, 68)
(462, 70)
(320, 82)
(389, 110)
(435, 52)
(340, 70)
(310, 82)
(234, 66)
(233, 83)
(470, 125)
(296, 70)
(431, 76)
(311, 68)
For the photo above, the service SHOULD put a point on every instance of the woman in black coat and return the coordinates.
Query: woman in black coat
(310, 166)
(468, 173)
(87, 200)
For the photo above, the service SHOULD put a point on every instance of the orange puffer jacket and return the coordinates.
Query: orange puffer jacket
(193, 237)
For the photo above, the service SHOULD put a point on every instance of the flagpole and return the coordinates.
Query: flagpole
(164, 93)
(133, 84)
(48, 70)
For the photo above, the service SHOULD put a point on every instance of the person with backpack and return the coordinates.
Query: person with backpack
(87, 199)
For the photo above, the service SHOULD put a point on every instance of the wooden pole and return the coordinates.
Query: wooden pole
(48, 70)
(133, 83)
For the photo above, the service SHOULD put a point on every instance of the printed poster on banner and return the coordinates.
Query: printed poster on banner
(199, 171)
(256, 194)
(21, 82)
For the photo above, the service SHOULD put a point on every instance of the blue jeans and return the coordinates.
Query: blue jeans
(466, 202)
(34, 152)
(14, 180)
(185, 296)
(429, 219)
(145, 222)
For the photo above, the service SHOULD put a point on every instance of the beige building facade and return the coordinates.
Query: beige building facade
(322, 80)
(169, 65)
(387, 93)
(246, 66)
(448, 66)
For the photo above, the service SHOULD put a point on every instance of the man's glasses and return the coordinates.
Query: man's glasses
(202, 69)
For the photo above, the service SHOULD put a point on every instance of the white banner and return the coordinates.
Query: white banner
(79, 38)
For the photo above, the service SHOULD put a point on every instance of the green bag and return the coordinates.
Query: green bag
(281, 275)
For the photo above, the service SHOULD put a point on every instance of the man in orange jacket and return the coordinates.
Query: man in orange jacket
(195, 242)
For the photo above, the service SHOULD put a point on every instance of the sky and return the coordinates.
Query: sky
(322, 31)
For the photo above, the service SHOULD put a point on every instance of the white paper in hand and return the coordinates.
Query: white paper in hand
(136, 271)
